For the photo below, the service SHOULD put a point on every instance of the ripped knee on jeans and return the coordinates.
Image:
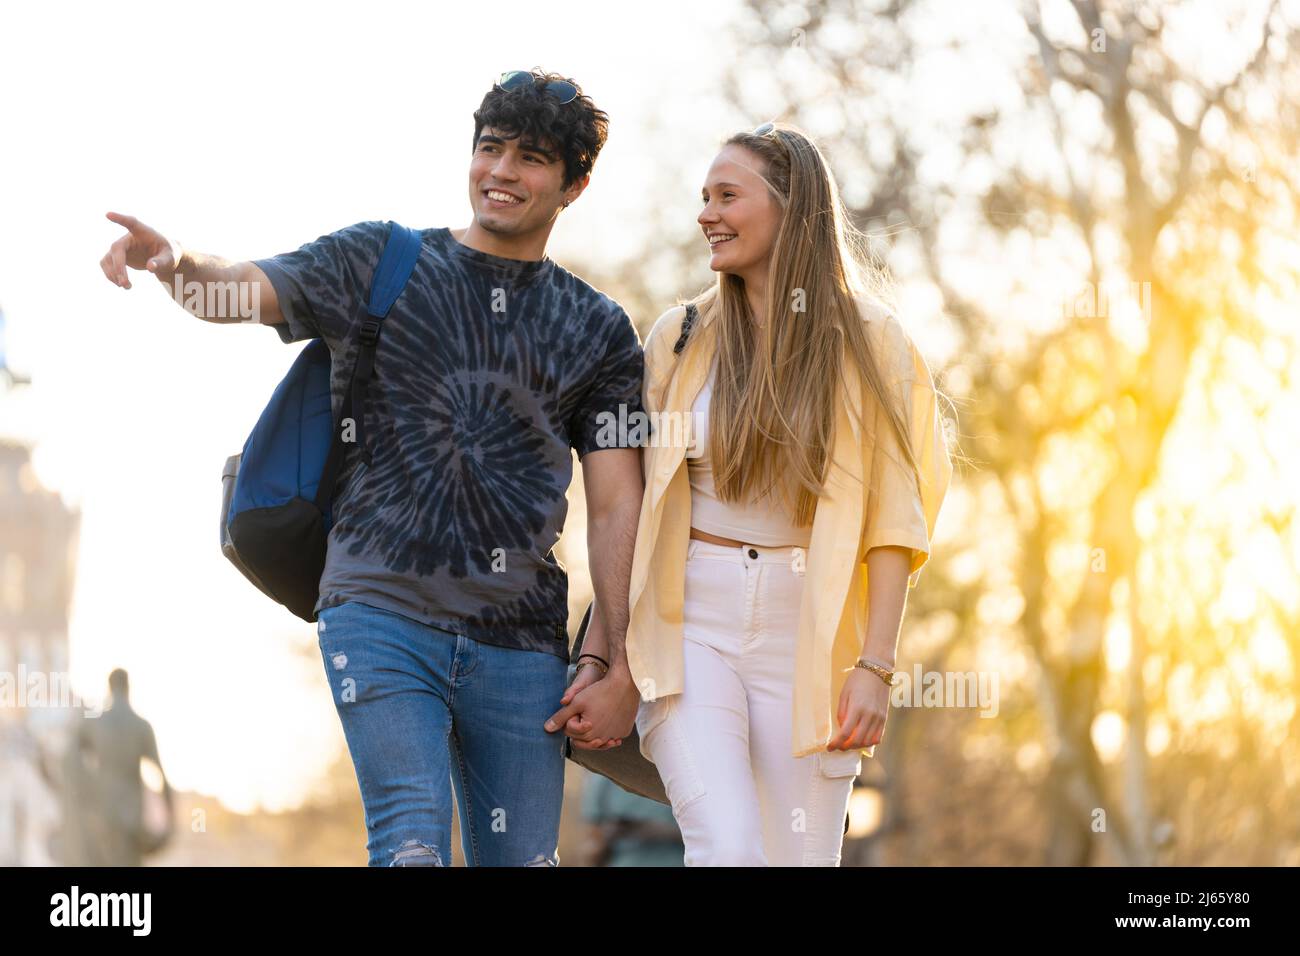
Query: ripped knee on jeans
(415, 853)
(545, 859)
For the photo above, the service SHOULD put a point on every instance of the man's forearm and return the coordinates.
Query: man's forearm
(218, 290)
(594, 641)
(611, 541)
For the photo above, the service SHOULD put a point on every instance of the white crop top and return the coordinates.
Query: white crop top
(765, 523)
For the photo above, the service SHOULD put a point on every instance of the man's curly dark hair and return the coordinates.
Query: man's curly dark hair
(576, 130)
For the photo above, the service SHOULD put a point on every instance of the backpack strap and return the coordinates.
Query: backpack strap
(395, 266)
(401, 252)
(691, 314)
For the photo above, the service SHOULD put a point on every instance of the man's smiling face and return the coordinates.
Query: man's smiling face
(515, 186)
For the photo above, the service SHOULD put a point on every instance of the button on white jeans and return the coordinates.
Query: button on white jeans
(723, 745)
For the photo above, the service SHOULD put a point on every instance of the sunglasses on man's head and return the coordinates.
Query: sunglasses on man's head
(561, 90)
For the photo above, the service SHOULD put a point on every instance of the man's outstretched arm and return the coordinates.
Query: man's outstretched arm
(145, 249)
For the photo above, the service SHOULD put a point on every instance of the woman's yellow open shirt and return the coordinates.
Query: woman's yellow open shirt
(852, 518)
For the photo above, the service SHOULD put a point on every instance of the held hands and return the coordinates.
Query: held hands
(593, 695)
(863, 709)
(579, 726)
(141, 248)
(597, 712)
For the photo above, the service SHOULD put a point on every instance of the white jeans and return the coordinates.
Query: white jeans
(723, 745)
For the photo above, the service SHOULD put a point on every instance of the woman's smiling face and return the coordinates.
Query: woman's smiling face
(740, 216)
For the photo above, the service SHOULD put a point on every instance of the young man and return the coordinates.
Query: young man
(442, 608)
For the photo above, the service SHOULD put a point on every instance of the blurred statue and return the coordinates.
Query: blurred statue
(104, 793)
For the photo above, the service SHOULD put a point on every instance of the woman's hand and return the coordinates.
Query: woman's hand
(580, 725)
(863, 709)
(593, 642)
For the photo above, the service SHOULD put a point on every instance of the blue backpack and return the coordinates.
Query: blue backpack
(277, 494)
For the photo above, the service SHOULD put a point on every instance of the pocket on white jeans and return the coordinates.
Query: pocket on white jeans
(839, 763)
(649, 715)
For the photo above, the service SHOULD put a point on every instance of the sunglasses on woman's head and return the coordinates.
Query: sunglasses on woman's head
(561, 90)
(765, 129)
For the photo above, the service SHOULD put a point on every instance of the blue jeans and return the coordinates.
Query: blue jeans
(423, 708)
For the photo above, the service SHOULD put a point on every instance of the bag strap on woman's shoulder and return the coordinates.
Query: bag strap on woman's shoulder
(691, 314)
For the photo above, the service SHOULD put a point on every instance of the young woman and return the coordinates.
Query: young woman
(776, 546)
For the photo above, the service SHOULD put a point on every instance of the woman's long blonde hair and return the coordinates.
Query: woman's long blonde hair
(774, 397)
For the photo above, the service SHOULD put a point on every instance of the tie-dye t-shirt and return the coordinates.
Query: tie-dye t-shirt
(488, 371)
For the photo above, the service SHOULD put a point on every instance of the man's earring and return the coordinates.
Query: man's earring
(566, 204)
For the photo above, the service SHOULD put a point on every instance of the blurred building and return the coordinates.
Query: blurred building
(38, 547)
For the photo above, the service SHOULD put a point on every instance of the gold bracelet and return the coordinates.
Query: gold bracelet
(587, 662)
(884, 673)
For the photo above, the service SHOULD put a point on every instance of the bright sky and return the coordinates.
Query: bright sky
(246, 130)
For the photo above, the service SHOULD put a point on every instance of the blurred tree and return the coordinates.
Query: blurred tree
(1094, 147)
